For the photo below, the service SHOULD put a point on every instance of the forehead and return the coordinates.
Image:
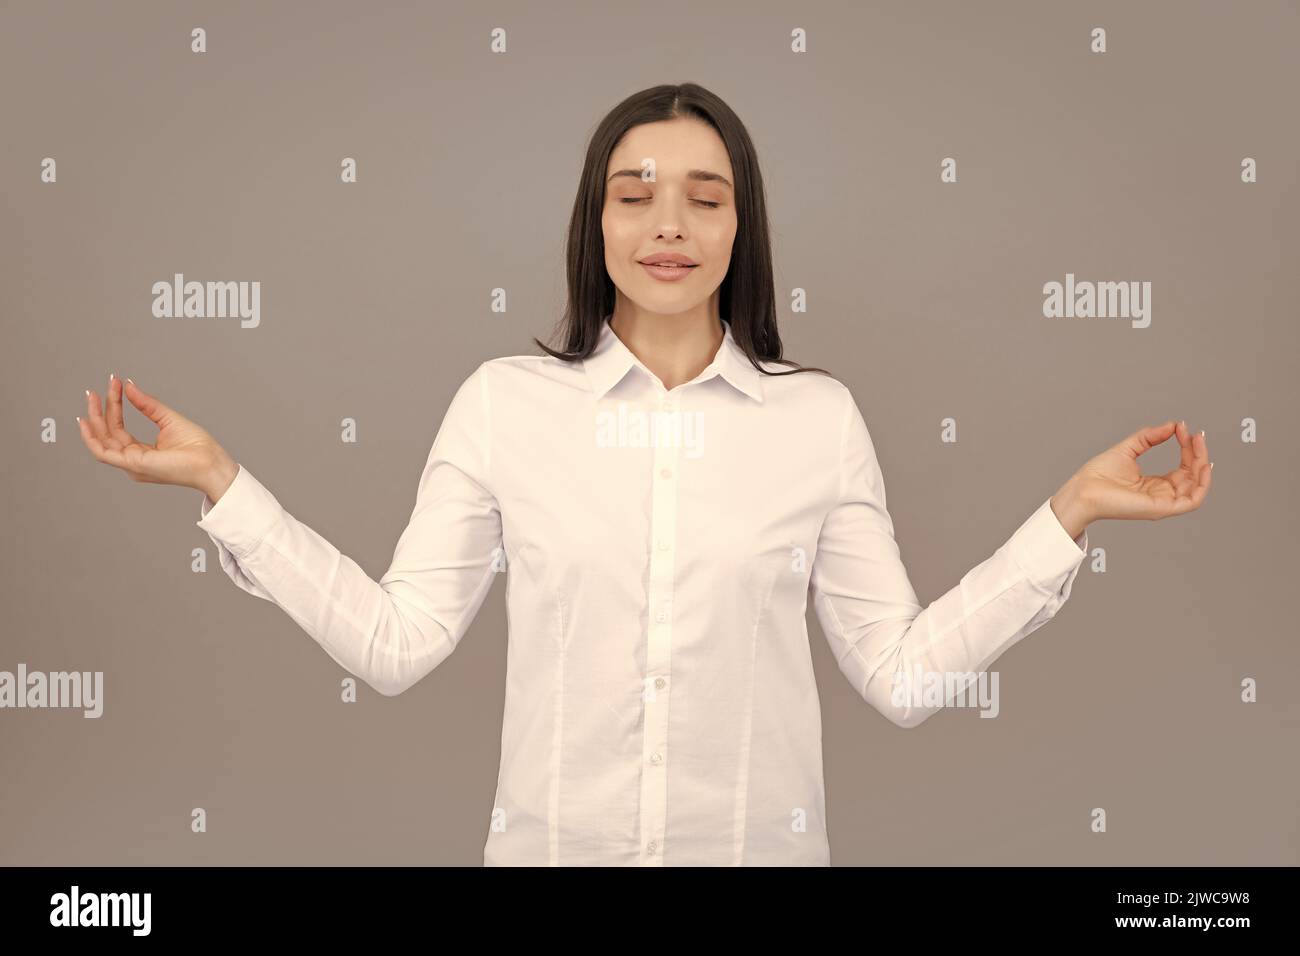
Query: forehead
(675, 145)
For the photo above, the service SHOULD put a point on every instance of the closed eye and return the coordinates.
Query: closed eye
(705, 202)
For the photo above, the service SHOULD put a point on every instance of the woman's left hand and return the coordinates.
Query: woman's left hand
(1112, 485)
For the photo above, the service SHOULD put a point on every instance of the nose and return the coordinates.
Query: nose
(670, 226)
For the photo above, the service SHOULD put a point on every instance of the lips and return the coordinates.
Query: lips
(668, 272)
(669, 259)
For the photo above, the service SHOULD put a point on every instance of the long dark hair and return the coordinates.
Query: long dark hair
(746, 298)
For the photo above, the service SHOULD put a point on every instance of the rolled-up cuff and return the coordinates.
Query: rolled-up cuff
(1044, 549)
(243, 516)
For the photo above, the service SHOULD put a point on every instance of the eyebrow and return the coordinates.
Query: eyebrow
(698, 175)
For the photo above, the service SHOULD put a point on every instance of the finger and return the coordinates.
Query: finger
(116, 426)
(154, 410)
(1196, 493)
(1187, 448)
(1203, 489)
(95, 416)
(1195, 456)
(1145, 439)
(1200, 490)
(103, 453)
(1193, 464)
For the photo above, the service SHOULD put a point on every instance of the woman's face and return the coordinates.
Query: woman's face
(688, 207)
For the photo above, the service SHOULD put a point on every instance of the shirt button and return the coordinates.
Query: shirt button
(663, 544)
(666, 473)
(668, 405)
(656, 758)
(663, 613)
(652, 846)
(660, 683)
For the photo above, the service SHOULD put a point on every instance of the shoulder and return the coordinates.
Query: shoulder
(810, 392)
(528, 376)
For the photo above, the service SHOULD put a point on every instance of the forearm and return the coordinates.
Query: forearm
(881, 634)
(387, 632)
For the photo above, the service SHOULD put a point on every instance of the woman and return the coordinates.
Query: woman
(665, 492)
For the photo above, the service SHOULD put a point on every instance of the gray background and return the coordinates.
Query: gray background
(924, 298)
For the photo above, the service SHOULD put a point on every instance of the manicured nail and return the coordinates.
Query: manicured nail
(1202, 432)
(129, 380)
(110, 378)
(88, 393)
(1211, 466)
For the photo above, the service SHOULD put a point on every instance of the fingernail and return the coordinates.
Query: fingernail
(1211, 466)
(110, 378)
(129, 380)
(1202, 432)
(88, 393)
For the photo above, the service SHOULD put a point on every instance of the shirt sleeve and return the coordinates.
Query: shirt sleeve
(884, 641)
(394, 631)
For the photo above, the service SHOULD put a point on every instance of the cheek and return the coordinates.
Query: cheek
(620, 241)
(716, 245)
(615, 227)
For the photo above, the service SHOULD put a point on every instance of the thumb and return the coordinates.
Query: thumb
(1147, 438)
(157, 412)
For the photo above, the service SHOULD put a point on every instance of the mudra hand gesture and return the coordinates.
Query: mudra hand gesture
(184, 453)
(1112, 485)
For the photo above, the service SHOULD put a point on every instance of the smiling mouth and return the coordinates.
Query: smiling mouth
(667, 272)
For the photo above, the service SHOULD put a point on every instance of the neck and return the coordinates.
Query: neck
(676, 347)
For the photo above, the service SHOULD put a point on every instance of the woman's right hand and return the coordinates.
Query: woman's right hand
(184, 454)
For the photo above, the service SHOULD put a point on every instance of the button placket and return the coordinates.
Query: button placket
(663, 531)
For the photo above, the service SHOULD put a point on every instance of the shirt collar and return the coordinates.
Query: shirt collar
(611, 359)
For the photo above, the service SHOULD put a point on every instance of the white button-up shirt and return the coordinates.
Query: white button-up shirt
(659, 548)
